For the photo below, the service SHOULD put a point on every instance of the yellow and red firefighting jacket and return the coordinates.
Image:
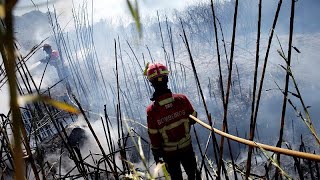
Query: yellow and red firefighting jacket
(55, 59)
(169, 123)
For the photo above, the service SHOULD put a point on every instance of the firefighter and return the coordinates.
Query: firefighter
(169, 125)
(53, 58)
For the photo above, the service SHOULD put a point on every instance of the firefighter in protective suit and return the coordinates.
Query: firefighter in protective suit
(53, 58)
(169, 125)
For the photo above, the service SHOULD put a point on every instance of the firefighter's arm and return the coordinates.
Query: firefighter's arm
(156, 147)
(45, 60)
(155, 139)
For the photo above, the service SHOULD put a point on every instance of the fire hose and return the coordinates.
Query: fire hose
(288, 152)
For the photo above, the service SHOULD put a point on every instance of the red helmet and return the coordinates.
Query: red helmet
(55, 54)
(155, 70)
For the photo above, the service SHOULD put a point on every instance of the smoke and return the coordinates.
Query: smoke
(134, 95)
(89, 149)
(117, 10)
(4, 96)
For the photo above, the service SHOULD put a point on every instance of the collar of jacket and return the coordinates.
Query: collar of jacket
(159, 96)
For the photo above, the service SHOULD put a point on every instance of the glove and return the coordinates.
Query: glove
(159, 161)
(157, 154)
(191, 121)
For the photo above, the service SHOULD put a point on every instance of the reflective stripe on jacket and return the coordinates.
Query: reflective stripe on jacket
(169, 123)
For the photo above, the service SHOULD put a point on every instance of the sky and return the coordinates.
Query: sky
(106, 9)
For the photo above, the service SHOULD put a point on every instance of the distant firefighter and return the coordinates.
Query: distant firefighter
(169, 125)
(53, 58)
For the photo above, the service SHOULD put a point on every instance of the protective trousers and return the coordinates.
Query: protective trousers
(187, 158)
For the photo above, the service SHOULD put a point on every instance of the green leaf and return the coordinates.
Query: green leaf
(22, 100)
(140, 148)
(164, 170)
(282, 55)
(295, 48)
(287, 69)
(157, 169)
(2, 11)
(296, 95)
(135, 14)
(273, 161)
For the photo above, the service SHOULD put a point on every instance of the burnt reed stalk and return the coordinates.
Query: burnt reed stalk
(77, 159)
(135, 80)
(26, 144)
(298, 95)
(24, 79)
(239, 145)
(119, 123)
(127, 105)
(71, 151)
(252, 122)
(119, 113)
(96, 139)
(111, 143)
(151, 58)
(132, 75)
(317, 167)
(73, 71)
(173, 71)
(60, 161)
(105, 132)
(79, 29)
(308, 119)
(85, 37)
(162, 41)
(297, 164)
(122, 64)
(105, 164)
(135, 57)
(23, 74)
(266, 60)
(219, 64)
(105, 92)
(310, 170)
(41, 159)
(225, 122)
(80, 76)
(5, 143)
(224, 43)
(8, 56)
(19, 64)
(126, 78)
(202, 155)
(205, 151)
(221, 79)
(44, 71)
(284, 106)
(239, 82)
(171, 45)
(221, 87)
(215, 145)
